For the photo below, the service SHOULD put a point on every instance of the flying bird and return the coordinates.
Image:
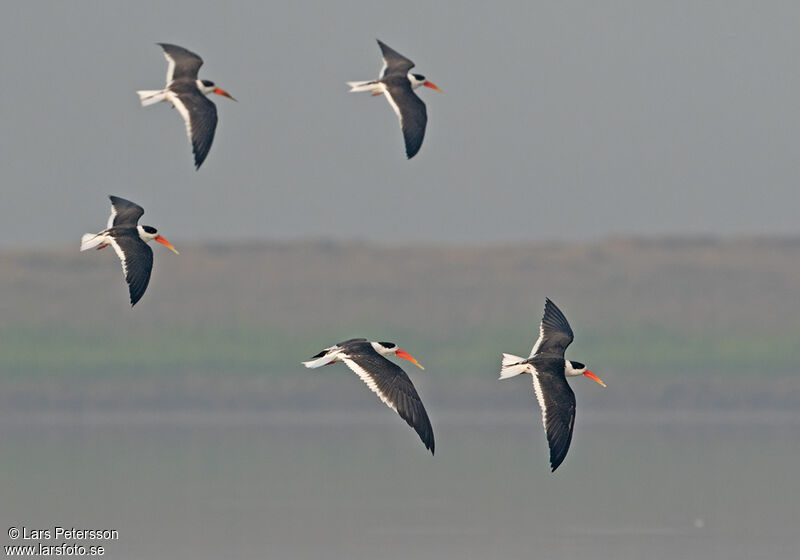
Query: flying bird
(550, 370)
(399, 84)
(391, 384)
(129, 240)
(188, 95)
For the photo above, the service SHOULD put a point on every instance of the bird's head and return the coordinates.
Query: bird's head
(576, 368)
(148, 233)
(391, 349)
(207, 86)
(418, 80)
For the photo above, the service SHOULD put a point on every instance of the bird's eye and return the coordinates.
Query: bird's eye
(388, 345)
(420, 77)
(208, 83)
(149, 229)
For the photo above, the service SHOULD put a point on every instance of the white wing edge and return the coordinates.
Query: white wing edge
(538, 341)
(113, 215)
(370, 382)
(170, 67)
(120, 254)
(392, 103)
(178, 104)
(537, 389)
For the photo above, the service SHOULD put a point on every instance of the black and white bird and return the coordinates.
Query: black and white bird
(188, 95)
(550, 370)
(399, 84)
(391, 384)
(129, 240)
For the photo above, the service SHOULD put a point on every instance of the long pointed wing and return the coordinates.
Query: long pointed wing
(183, 63)
(557, 402)
(555, 334)
(137, 262)
(410, 110)
(393, 387)
(124, 212)
(393, 61)
(200, 116)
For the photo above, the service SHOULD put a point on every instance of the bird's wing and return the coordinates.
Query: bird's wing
(557, 402)
(393, 387)
(200, 116)
(555, 334)
(410, 110)
(124, 212)
(183, 63)
(393, 61)
(137, 262)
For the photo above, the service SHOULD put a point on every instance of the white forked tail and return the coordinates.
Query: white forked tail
(371, 85)
(151, 96)
(512, 366)
(90, 241)
(321, 361)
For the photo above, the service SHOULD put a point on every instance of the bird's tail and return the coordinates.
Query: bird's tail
(371, 85)
(151, 96)
(322, 359)
(512, 365)
(90, 241)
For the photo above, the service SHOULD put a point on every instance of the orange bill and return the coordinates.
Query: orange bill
(593, 377)
(223, 93)
(432, 86)
(167, 243)
(406, 356)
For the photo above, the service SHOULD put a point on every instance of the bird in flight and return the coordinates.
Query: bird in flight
(550, 370)
(385, 378)
(188, 94)
(398, 84)
(129, 240)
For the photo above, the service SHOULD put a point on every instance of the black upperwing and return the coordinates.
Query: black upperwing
(393, 387)
(557, 401)
(183, 63)
(410, 110)
(137, 260)
(555, 332)
(200, 116)
(394, 63)
(124, 212)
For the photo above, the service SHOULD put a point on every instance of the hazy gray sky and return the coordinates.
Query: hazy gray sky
(559, 119)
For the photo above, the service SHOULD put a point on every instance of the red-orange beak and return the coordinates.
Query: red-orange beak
(593, 377)
(432, 86)
(167, 243)
(223, 93)
(377, 94)
(406, 356)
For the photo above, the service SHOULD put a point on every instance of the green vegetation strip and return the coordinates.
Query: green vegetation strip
(30, 351)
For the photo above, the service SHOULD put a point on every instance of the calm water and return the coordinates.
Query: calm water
(358, 484)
